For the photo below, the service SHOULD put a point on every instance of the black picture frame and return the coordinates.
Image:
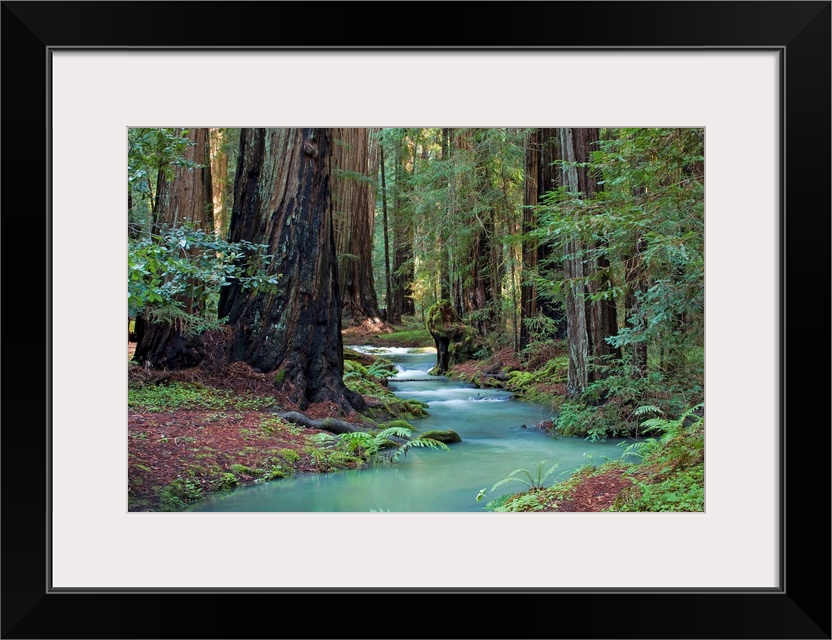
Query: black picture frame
(800, 608)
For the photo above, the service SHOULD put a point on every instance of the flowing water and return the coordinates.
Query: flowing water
(498, 432)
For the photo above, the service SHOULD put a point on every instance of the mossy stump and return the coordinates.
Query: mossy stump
(454, 340)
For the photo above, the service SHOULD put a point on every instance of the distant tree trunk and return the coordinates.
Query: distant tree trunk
(541, 176)
(388, 278)
(187, 197)
(353, 205)
(403, 267)
(282, 197)
(444, 258)
(636, 284)
(483, 260)
(602, 317)
(528, 288)
(576, 325)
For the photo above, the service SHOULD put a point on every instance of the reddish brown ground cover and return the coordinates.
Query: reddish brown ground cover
(595, 493)
(218, 449)
(204, 446)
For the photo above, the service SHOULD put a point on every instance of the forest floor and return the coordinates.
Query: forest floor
(183, 445)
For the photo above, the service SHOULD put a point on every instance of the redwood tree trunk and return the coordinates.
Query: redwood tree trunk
(403, 267)
(282, 197)
(390, 315)
(353, 204)
(541, 176)
(442, 233)
(576, 325)
(187, 197)
(602, 316)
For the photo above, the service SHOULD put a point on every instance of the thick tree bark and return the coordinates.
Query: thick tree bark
(576, 325)
(282, 197)
(388, 277)
(187, 197)
(353, 204)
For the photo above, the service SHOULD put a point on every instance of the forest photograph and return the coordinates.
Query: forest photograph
(416, 319)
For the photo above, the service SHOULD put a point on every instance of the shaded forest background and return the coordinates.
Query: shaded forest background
(578, 250)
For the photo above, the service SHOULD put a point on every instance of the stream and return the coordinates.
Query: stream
(498, 432)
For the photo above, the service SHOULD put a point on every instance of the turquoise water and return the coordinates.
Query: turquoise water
(498, 436)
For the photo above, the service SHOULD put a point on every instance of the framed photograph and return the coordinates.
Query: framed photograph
(754, 75)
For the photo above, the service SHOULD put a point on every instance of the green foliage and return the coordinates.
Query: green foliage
(553, 371)
(653, 191)
(289, 455)
(381, 368)
(370, 381)
(676, 464)
(149, 151)
(226, 481)
(370, 446)
(410, 337)
(525, 502)
(185, 395)
(575, 419)
(397, 424)
(179, 493)
(667, 428)
(419, 443)
(354, 369)
(533, 480)
(682, 491)
(243, 470)
(175, 274)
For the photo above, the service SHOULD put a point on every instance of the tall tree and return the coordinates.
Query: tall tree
(443, 232)
(601, 312)
(185, 198)
(403, 265)
(541, 176)
(353, 203)
(388, 277)
(282, 197)
(576, 324)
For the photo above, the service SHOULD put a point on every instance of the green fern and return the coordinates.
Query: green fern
(671, 428)
(648, 408)
(370, 446)
(523, 476)
(381, 368)
(427, 443)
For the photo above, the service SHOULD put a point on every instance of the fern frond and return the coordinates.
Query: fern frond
(659, 424)
(508, 479)
(648, 408)
(428, 443)
(360, 437)
(396, 432)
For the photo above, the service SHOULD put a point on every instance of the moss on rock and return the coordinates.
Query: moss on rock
(448, 436)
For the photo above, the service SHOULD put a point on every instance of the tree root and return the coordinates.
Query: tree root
(327, 424)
